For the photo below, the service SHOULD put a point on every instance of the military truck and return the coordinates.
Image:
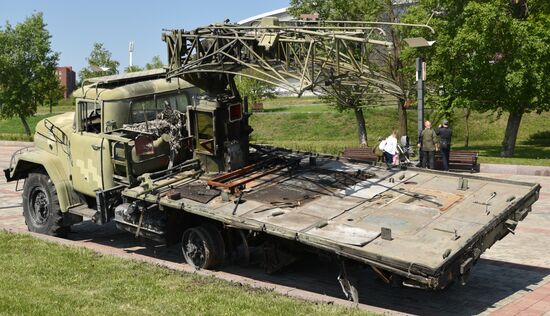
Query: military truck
(165, 162)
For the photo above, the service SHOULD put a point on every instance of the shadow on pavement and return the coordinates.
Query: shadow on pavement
(490, 281)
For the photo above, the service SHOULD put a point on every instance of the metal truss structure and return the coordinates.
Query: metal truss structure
(294, 55)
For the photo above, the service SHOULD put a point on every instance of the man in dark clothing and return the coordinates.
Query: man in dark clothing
(445, 134)
(429, 140)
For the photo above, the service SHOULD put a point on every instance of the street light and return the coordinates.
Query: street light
(417, 42)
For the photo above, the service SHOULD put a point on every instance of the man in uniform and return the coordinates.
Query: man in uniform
(445, 134)
(429, 139)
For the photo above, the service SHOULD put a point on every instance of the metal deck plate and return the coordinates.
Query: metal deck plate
(197, 192)
(346, 234)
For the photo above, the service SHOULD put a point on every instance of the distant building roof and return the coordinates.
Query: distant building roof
(282, 14)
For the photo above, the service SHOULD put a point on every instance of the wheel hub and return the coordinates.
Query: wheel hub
(195, 250)
(40, 210)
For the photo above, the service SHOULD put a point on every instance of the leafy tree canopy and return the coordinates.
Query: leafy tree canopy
(100, 63)
(353, 98)
(492, 56)
(155, 63)
(133, 68)
(27, 68)
(255, 90)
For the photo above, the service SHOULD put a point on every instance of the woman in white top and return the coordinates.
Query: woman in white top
(390, 149)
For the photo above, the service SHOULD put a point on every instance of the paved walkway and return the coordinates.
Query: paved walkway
(511, 278)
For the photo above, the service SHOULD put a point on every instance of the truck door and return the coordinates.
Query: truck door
(87, 149)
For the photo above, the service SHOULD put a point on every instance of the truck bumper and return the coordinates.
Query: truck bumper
(7, 174)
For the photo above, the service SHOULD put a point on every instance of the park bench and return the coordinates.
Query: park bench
(257, 107)
(459, 160)
(360, 154)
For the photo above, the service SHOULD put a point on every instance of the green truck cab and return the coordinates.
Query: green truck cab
(80, 155)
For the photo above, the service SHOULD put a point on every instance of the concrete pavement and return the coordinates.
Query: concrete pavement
(513, 277)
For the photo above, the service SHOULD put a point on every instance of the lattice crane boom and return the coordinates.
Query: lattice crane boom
(294, 55)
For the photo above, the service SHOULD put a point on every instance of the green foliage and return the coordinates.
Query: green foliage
(339, 10)
(343, 97)
(133, 68)
(13, 126)
(491, 56)
(61, 280)
(306, 124)
(294, 123)
(255, 90)
(99, 63)
(155, 63)
(27, 68)
(394, 66)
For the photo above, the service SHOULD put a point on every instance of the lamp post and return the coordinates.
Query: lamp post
(417, 42)
(420, 77)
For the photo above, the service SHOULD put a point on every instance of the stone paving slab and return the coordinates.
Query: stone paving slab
(515, 169)
(513, 277)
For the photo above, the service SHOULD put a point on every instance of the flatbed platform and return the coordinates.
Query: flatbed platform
(428, 227)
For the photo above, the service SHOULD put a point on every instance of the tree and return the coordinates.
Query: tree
(27, 68)
(493, 56)
(51, 90)
(99, 63)
(255, 90)
(155, 63)
(392, 65)
(133, 68)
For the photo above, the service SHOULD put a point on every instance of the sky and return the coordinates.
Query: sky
(75, 25)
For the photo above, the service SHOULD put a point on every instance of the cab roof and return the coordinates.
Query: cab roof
(119, 87)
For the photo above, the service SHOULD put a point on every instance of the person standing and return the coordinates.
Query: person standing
(390, 149)
(429, 140)
(445, 135)
(379, 152)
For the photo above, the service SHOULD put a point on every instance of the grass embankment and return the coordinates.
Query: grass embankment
(12, 129)
(60, 280)
(331, 131)
(308, 124)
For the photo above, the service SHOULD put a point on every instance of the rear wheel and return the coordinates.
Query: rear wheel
(41, 206)
(203, 247)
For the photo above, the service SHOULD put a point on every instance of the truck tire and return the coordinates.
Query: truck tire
(203, 247)
(41, 206)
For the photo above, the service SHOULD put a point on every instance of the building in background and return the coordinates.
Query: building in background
(281, 14)
(67, 79)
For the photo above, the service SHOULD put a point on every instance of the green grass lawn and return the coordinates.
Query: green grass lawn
(64, 105)
(329, 131)
(308, 124)
(43, 278)
(12, 129)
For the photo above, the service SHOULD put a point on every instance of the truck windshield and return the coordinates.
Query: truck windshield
(149, 107)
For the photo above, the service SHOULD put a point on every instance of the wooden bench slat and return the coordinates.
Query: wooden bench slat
(365, 153)
(459, 159)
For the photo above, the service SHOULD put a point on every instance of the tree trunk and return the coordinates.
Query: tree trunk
(396, 66)
(402, 118)
(361, 127)
(511, 134)
(467, 141)
(25, 124)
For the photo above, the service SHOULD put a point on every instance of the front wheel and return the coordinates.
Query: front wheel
(41, 206)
